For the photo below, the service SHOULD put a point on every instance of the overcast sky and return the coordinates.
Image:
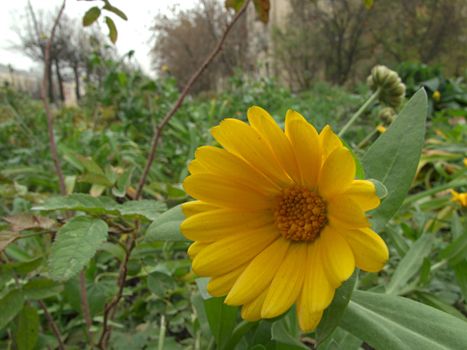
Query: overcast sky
(133, 34)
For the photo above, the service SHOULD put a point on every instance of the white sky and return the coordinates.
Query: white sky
(133, 34)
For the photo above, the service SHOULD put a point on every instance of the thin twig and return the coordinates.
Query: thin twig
(158, 130)
(52, 325)
(110, 308)
(45, 101)
(85, 306)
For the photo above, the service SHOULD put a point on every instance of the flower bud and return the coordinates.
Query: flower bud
(391, 88)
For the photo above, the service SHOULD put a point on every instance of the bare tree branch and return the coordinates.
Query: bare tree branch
(160, 127)
(53, 325)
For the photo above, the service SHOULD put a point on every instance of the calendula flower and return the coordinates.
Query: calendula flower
(460, 198)
(381, 128)
(279, 218)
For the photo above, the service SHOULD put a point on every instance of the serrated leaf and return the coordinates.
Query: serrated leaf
(75, 244)
(410, 264)
(167, 226)
(81, 202)
(333, 314)
(394, 323)
(394, 157)
(115, 10)
(41, 288)
(28, 328)
(113, 33)
(10, 305)
(91, 16)
(149, 209)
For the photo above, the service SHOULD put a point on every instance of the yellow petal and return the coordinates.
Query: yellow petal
(221, 192)
(337, 173)
(216, 224)
(308, 321)
(196, 247)
(338, 258)
(242, 140)
(196, 167)
(266, 126)
(252, 311)
(259, 273)
(328, 141)
(229, 253)
(369, 249)
(220, 285)
(304, 139)
(345, 212)
(363, 192)
(287, 283)
(227, 165)
(196, 207)
(317, 292)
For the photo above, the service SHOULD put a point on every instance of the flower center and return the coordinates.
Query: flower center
(300, 214)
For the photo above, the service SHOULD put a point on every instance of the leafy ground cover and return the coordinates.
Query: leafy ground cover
(103, 145)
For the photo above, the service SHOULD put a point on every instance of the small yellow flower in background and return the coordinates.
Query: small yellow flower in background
(165, 68)
(279, 218)
(465, 161)
(436, 96)
(381, 128)
(460, 198)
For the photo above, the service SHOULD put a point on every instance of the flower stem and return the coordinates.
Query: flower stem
(362, 109)
(237, 334)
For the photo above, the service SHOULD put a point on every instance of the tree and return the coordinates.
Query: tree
(183, 40)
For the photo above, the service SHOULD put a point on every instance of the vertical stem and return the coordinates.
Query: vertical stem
(52, 325)
(85, 306)
(357, 114)
(160, 344)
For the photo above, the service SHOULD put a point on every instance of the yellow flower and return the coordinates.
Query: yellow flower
(460, 198)
(436, 96)
(381, 128)
(279, 217)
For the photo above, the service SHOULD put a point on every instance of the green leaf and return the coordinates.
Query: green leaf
(381, 190)
(234, 4)
(115, 10)
(28, 328)
(456, 251)
(95, 179)
(394, 323)
(113, 33)
(433, 300)
(286, 332)
(222, 319)
(75, 244)
(89, 164)
(410, 264)
(149, 209)
(333, 314)
(41, 288)
(10, 305)
(91, 16)
(460, 271)
(7, 237)
(81, 202)
(167, 226)
(394, 157)
(123, 182)
(368, 4)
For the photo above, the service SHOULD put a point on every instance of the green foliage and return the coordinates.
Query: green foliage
(76, 243)
(388, 322)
